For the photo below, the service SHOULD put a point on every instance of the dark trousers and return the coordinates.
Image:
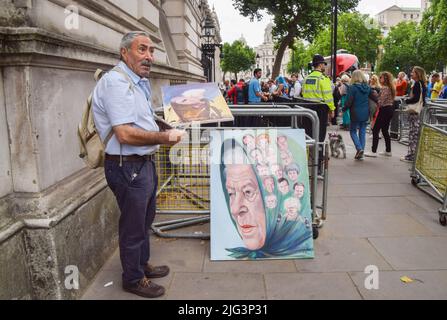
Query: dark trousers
(383, 124)
(134, 186)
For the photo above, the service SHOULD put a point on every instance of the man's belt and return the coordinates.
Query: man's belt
(131, 158)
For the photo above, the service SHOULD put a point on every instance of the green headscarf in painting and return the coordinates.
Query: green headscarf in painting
(284, 238)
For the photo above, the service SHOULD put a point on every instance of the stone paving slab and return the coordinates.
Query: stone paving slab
(432, 287)
(365, 226)
(430, 220)
(310, 286)
(413, 253)
(217, 286)
(263, 266)
(342, 255)
(97, 291)
(380, 205)
(374, 190)
(181, 255)
(426, 202)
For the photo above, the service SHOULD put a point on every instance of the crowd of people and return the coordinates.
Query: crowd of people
(357, 100)
(281, 89)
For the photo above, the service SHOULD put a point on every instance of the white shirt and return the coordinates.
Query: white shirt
(295, 92)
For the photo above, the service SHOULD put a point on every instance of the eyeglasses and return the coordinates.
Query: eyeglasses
(248, 192)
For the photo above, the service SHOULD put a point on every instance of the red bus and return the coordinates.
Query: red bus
(345, 63)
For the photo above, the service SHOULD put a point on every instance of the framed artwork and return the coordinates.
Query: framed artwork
(197, 102)
(260, 196)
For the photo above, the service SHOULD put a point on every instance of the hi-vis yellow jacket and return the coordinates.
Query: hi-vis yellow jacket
(317, 87)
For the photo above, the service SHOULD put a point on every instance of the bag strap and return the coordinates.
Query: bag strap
(107, 139)
(126, 76)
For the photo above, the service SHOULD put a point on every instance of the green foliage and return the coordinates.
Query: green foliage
(432, 43)
(302, 19)
(425, 45)
(300, 58)
(238, 57)
(400, 53)
(356, 33)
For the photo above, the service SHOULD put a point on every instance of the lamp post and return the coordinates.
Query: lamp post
(257, 60)
(334, 5)
(209, 49)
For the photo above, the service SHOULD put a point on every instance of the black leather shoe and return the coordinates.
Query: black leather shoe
(151, 271)
(145, 288)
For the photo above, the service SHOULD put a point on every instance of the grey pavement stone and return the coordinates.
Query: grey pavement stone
(181, 255)
(97, 291)
(336, 205)
(431, 222)
(365, 226)
(430, 285)
(380, 205)
(217, 286)
(262, 266)
(426, 202)
(342, 255)
(374, 190)
(413, 253)
(310, 286)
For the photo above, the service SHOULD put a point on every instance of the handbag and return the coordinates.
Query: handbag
(416, 108)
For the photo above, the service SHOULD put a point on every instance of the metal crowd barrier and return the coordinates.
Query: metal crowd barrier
(399, 128)
(429, 171)
(184, 189)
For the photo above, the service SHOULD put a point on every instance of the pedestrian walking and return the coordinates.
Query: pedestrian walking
(357, 103)
(385, 105)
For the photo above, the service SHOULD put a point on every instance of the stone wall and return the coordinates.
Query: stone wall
(54, 212)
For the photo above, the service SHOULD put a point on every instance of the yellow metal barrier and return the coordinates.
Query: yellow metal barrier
(432, 158)
(183, 187)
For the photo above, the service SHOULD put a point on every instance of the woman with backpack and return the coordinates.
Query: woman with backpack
(357, 104)
(385, 113)
(419, 88)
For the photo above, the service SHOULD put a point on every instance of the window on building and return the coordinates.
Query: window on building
(405, 16)
(412, 16)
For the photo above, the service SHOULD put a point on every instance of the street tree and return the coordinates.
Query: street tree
(399, 49)
(432, 37)
(357, 33)
(301, 19)
(300, 58)
(238, 57)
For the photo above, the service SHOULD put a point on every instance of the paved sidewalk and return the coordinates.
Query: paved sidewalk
(375, 217)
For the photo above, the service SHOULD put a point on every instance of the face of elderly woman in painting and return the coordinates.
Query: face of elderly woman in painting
(246, 205)
(292, 207)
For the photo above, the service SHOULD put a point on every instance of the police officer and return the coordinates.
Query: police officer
(317, 88)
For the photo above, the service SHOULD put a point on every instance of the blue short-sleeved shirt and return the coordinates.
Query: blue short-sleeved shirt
(252, 89)
(115, 103)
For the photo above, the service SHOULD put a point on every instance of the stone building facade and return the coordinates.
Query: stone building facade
(267, 55)
(56, 216)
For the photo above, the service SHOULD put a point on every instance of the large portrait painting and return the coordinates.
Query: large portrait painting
(198, 102)
(260, 197)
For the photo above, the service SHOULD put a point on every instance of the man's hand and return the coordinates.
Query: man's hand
(331, 115)
(174, 136)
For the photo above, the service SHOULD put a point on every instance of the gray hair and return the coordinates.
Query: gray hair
(129, 37)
